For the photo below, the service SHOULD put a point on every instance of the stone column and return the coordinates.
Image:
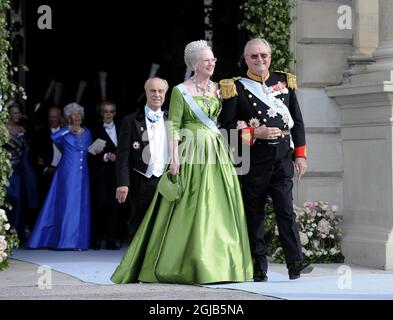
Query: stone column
(367, 134)
(365, 36)
(384, 53)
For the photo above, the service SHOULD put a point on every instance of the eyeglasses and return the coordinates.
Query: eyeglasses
(255, 56)
(212, 60)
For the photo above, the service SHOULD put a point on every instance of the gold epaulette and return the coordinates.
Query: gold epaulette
(228, 88)
(291, 79)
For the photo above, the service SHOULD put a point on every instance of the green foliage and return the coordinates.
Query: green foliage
(271, 19)
(5, 91)
(8, 90)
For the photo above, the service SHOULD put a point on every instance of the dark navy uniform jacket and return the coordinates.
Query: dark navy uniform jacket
(240, 104)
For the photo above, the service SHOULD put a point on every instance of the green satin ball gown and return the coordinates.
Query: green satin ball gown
(202, 237)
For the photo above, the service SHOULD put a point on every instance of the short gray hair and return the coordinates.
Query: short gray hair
(163, 80)
(258, 40)
(71, 107)
(191, 51)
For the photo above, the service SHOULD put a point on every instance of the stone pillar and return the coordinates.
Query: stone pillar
(364, 37)
(384, 53)
(367, 134)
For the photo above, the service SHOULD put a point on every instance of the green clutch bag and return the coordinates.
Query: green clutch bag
(169, 186)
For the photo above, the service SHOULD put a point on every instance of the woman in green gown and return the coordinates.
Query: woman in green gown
(202, 236)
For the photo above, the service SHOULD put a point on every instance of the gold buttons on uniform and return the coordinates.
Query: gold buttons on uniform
(254, 104)
(264, 120)
(250, 95)
(259, 112)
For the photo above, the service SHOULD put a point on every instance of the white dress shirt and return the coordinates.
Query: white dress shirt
(159, 146)
(110, 129)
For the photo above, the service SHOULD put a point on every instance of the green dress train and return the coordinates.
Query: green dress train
(202, 237)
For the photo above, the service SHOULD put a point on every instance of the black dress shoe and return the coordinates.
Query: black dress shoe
(297, 268)
(110, 245)
(259, 275)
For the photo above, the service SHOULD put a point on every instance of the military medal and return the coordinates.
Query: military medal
(254, 123)
(271, 113)
(136, 145)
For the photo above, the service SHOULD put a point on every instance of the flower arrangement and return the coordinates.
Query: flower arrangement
(319, 230)
(8, 240)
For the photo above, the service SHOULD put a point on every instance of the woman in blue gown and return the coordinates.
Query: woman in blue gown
(16, 146)
(64, 220)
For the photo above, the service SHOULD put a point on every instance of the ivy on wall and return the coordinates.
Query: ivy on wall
(271, 19)
(6, 89)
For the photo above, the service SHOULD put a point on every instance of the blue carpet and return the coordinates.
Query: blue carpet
(369, 286)
(88, 266)
(97, 267)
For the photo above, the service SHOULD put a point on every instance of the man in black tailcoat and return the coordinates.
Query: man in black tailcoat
(105, 211)
(45, 155)
(264, 108)
(142, 152)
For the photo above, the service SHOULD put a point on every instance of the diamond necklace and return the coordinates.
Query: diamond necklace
(204, 90)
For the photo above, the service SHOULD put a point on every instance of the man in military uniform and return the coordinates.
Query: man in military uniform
(264, 107)
(142, 152)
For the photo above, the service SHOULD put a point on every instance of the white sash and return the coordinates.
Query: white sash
(271, 101)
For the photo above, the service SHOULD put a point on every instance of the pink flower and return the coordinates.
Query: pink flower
(308, 204)
(324, 226)
(330, 215)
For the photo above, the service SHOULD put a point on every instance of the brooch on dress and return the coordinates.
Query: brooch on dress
(136, 145)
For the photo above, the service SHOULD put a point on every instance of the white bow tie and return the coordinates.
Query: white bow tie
(109, 125)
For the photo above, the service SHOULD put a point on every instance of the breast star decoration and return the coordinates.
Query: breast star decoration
(254, 123)
(271, 113)
(136, 145)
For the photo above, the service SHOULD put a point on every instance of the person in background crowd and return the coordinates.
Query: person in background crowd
(46, 155)
(105, 211)
(64, 220)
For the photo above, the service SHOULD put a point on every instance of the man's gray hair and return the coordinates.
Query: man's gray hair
(258, 40)
(163, 80)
